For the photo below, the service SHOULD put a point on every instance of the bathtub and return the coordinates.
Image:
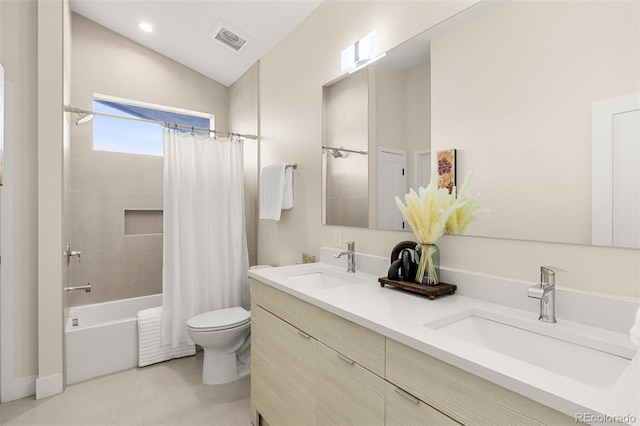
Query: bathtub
(105, 337)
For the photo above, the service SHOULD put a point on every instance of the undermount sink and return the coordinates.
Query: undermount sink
(322, 277)
(577, 356)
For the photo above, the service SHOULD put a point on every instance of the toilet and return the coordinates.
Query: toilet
(224, 335)
(221, 333)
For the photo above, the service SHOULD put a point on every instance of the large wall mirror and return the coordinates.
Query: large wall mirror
(540, 100)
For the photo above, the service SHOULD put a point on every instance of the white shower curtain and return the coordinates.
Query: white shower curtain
(205, 258)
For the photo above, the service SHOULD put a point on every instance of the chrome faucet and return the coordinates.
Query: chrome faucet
(85, 288)
(546, 292)
(351, 253)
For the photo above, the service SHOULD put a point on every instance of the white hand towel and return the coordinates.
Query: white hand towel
(276, 191)
(287, 196)
(635, 330)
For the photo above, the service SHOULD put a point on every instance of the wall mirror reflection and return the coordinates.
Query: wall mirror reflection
(519, 103)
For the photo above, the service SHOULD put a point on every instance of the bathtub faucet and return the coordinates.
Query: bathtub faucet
(85, 288)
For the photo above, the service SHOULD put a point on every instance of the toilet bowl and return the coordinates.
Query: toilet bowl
(220, 333)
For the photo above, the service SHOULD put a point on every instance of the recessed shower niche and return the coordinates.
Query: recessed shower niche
(143, 221)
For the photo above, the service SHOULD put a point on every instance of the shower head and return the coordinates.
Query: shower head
(84, 118)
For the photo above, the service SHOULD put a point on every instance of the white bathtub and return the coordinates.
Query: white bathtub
(105, 339)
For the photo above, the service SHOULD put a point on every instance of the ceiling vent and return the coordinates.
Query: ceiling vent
(229, 36)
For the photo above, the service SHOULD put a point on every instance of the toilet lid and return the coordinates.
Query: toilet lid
(220, 319)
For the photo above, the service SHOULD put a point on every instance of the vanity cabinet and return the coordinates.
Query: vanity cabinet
(310, 367)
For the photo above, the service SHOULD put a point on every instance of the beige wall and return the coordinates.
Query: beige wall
(104, 184)
(20, 22)
(291, 78)
(243, 118)
(51, 265)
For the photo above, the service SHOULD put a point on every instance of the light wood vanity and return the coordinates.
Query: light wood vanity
(310, 366)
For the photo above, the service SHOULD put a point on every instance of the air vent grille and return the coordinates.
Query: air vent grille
(230, 39)
(229, 36)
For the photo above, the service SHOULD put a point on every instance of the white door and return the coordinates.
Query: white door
(616, 172)
(391, 183)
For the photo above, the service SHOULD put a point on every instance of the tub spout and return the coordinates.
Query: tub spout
(85, 288)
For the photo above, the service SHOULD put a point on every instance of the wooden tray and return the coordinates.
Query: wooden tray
(431, 291)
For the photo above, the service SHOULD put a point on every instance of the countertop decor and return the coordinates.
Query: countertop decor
(431, 211)
(431, 291)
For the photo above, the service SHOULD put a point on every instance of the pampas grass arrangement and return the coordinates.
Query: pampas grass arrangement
(432, 211)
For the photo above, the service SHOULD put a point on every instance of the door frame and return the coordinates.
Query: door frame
(602, 164)
(8, 391)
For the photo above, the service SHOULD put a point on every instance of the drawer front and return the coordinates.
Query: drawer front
(403, 409)
(348, 394)
(283, 371)
(364, 346)
(301, 314)
(463, 396)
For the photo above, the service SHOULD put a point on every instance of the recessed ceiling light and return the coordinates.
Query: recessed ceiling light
(146, 27)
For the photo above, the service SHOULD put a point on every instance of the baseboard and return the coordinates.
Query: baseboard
(22, 388)
(49, 386)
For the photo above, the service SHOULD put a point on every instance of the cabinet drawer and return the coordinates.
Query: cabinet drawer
(348, 394)
(364, 346)
(404, 409)
(283, 371)
(291, 309)
(463, 396)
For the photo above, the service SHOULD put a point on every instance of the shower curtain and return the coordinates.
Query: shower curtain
(205, 258)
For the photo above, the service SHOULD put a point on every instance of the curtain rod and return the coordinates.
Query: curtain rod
(76, 110)
(345, 150)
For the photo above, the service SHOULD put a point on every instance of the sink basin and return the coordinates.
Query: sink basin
(322, 277)
(549, 346)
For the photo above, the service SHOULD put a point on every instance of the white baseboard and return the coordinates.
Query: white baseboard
(21, 388)
(49, 386)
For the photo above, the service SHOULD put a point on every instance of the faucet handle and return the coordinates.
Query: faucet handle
(351, 245)
(548, 274)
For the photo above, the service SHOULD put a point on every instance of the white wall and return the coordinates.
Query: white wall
(291, 80)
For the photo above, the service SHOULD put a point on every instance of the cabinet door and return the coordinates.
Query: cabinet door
(291, 309)
(364, 346)
(348, 394)
(467, 398)
(283, 371)
(405, 409)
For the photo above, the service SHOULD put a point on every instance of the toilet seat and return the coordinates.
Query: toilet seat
(221, 319)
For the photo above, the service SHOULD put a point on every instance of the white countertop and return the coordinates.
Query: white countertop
(401, 316)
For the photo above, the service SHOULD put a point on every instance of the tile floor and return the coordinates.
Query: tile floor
(169, 393)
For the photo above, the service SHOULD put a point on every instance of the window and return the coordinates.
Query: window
(132, 137)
